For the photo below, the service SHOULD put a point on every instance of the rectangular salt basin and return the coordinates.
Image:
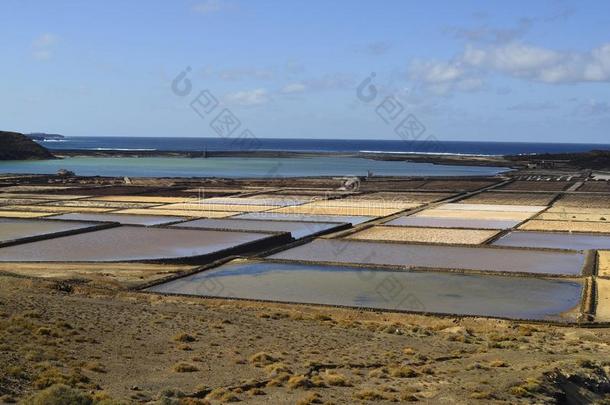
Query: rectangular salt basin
(127, 243)
(566, 226)
(603, 263)
(147, 220)
(555, 240)
(350, 219)
(295, 228)
(424, 235)
(14, 229)
(271, 202)
(493, 207)
(496, 296)
(312, 209)
(434, 222)
(437, 257)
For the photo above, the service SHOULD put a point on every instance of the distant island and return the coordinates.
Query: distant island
(16, 146)
(41, 136)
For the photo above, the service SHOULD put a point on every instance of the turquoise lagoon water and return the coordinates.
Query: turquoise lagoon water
(236, 167)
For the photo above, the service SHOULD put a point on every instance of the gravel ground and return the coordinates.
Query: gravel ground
(428, 235)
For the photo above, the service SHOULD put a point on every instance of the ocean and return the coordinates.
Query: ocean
(314, 145)
(259, 167)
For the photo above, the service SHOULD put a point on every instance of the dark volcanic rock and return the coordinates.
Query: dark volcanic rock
(16, 146)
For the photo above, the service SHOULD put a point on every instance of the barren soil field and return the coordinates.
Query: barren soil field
(98, 340)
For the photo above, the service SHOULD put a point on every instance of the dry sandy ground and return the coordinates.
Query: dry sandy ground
(427, 235)
(146, 348)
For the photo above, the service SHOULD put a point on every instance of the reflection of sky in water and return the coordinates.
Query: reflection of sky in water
(512, 297)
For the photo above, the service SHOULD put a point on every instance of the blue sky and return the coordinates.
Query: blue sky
(468, 70)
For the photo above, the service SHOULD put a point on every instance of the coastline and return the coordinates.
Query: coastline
(446, 159)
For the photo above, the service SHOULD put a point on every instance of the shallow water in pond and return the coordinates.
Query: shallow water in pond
(452, 223)
(128, 243)
(437, 256)
(555, 240)
(510, 297)
(120, 218)
(295, 228)
(13, 229)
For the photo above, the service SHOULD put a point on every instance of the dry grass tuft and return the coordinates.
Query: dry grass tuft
(185, 368)
(262, 359)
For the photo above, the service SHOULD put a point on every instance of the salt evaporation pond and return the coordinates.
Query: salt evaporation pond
(127, 243)
(124, 219)
(432, 222)
(555, 240)
(350, 219)
(295, 228)
(14, 229)
(436, 256)
(496, 296)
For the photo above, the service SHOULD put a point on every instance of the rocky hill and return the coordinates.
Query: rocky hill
(16, 146)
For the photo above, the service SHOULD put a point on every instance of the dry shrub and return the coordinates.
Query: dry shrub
(262, 359)
(60, 394)
(185, 368)
(184, 338)
(403, 372)
(335, 379)
(299, 381)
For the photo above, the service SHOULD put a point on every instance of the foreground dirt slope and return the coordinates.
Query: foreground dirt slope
(143, 348)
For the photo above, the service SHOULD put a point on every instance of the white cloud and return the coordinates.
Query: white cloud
(211, 6)
(293, 88)
(515, 60)
(541, 64)
(248, 97)
(42, 46)
(443, 77)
